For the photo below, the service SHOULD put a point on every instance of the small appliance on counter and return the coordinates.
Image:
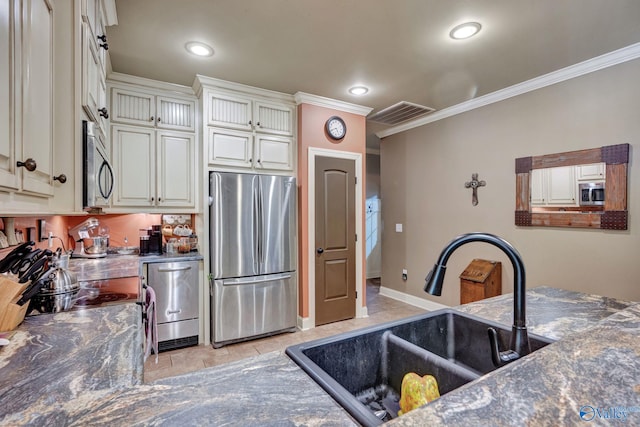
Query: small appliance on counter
(151, 240)
(91, 239)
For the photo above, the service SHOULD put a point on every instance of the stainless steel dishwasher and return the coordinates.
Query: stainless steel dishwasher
(176, 287)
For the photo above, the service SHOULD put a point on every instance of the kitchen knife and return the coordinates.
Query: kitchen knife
(14, 255)
(35, 286)
(33, 271)
(25, 266)
(25, 262)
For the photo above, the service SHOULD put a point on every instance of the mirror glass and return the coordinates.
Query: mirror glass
(583, 189)
(568, 188)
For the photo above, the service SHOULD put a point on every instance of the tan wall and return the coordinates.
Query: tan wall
(424, 170)
(311, 122)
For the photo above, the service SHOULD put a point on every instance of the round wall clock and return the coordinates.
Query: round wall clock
(336, 128)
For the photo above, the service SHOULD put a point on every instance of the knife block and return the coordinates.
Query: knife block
(11, 314)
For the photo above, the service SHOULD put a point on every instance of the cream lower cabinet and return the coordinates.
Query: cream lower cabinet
(231, 148)
(154, 169)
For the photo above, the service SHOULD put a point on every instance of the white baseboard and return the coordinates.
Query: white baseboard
(304, 323)
(362, 312)
(410, 299)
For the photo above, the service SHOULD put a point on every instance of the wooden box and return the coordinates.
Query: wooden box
(481, 279)
(11, 314)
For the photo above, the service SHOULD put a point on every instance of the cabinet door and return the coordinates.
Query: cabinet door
(90, 74)
(131, 107)
(37, 101)
(176, 169)
(562, 186)
(591, 172)
(134, 164)
(273, 118)
(274, 152)
(8, 174)
(538, 187)
(230, 148)
(229, 111)
(175, 114)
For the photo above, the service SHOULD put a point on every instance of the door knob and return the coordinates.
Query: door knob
(320, 251)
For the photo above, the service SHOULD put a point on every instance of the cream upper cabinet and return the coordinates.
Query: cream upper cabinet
(273, 152)
(228, 147)
(94, 48)
(37, 97)
(8, 173)
(148, 109)
(561, 188)
(247, 128)
(273, 118)
(153, 168)
(591, 172)
(244, 113)
(554, 186)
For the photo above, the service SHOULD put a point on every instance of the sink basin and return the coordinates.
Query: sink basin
(363, 370)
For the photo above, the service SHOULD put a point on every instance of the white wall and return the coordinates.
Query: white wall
(424, 170)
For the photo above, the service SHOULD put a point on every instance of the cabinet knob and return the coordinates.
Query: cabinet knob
(258, 160)
(28, 164)
(320, 251)
(258, 124)
(102, 38)
(105, 46)
(152, 118)
(153, 198)
(104, 112)
(158, 119)
(62, 178)
(250, 123)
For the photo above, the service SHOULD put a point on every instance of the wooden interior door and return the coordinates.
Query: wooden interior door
(335, 240)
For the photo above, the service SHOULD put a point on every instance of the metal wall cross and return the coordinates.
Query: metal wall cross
(474, 184)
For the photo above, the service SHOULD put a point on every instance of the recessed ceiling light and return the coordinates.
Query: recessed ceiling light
(464, 31)
(199, 49)
(358, 90)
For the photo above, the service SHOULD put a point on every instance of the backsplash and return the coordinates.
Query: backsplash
(120, 226)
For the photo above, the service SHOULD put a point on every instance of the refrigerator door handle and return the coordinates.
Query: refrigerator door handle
(249, 281)
(257, 229)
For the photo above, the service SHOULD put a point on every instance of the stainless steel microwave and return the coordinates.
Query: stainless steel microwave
(591, 193)
(98, 180)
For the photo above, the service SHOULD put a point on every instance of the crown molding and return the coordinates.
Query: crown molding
(149, 83)
(201, 82)
(321, 101)
(607, 60)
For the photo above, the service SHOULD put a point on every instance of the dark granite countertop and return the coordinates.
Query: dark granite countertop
(67, 369)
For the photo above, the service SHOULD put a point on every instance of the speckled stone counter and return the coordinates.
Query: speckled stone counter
(57, 358)
(71, 369)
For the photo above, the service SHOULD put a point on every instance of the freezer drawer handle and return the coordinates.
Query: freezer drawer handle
(269, 279)
(164, 270)
(174, 311)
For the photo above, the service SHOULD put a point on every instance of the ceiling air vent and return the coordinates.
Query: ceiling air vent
(400, 112)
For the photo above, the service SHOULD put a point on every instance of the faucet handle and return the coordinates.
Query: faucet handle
(498, 357)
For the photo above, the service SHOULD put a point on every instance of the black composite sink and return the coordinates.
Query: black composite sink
(363, 370)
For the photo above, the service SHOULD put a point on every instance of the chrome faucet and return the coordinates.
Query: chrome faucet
(519, 344)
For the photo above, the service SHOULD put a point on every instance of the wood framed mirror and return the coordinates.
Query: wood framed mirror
(610, 215)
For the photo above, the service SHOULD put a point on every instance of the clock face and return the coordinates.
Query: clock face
(336, 127)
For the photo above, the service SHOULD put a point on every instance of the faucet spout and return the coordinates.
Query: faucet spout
(519, 343)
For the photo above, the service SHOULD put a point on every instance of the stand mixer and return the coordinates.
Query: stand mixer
(91, 239)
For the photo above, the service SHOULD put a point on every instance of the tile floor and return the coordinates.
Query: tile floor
(170, 363)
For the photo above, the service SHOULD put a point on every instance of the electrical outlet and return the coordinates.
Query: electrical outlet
(404, 274)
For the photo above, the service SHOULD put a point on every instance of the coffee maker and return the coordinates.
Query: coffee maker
(151, 241)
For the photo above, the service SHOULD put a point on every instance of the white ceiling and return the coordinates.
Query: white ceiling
(400, 49)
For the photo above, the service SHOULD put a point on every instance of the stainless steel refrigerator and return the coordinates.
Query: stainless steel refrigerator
(253, 247)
